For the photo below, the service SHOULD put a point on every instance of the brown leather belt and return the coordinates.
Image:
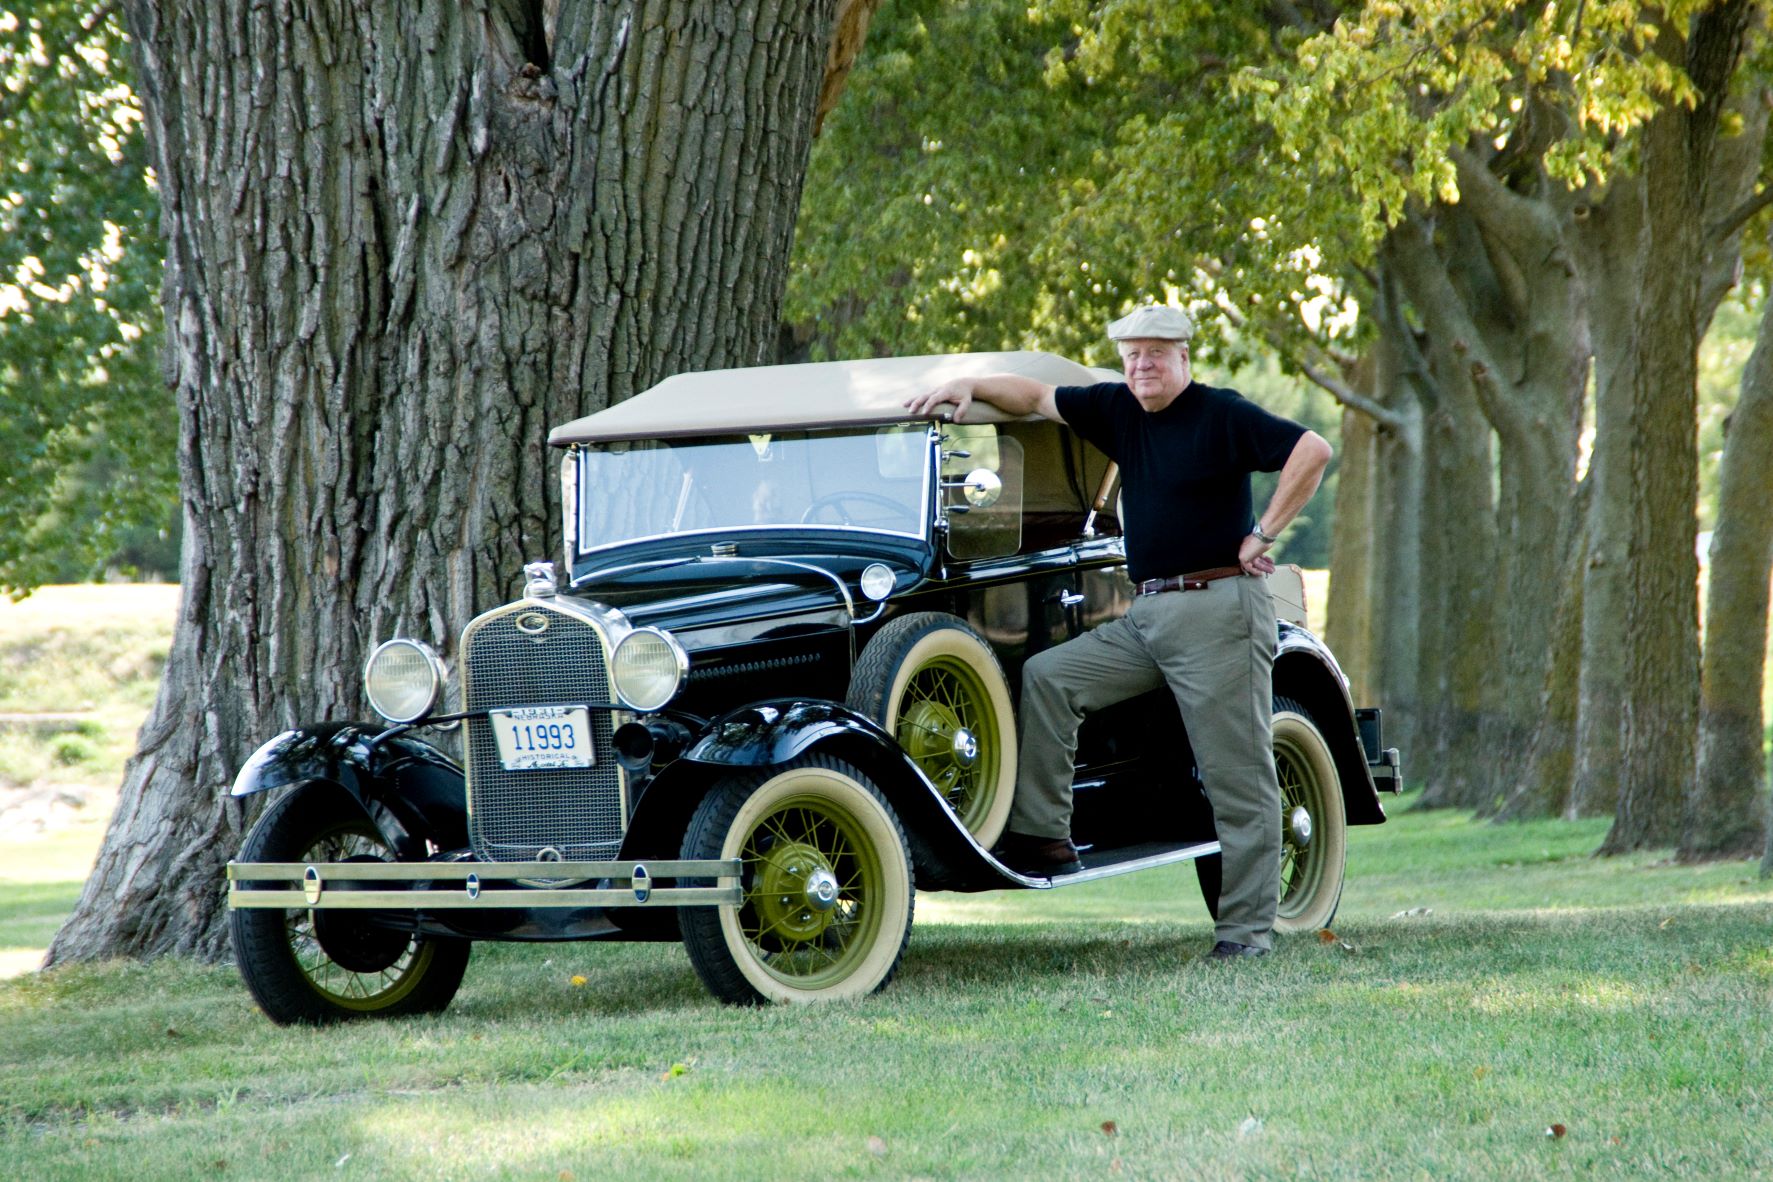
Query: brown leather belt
(1194, 581)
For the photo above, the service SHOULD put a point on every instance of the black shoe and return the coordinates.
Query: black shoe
(1038, 857)
(1228, 950)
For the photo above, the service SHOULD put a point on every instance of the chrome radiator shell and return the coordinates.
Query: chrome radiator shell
(540, 652)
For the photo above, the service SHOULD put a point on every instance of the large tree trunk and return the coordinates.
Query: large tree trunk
(1348, 627)
(1540, 783)
(1398, 630)
(1608, 234)
(403, 241)
(1727, 813)
(1662, 571)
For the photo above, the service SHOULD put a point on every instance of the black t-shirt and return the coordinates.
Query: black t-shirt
(1185, 470)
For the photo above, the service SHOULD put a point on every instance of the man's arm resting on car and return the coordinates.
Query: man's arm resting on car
(1010, 393)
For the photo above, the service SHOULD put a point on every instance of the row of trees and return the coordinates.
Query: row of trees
(399, 243)
(1495, 232)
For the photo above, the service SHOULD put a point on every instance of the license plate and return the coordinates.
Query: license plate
(538, 737)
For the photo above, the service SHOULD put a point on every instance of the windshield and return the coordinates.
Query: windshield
(869, 480)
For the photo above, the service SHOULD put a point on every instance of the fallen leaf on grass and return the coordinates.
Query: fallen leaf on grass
(172, 1032)
(1665, 923)
(676, 1070)
(1479, 1072)
(876, 1146)
(1109, 1128)
(565, 1176)
(1555, 1131)
(577, 981)
(1326, 936)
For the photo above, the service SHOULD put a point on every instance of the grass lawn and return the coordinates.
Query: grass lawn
(1485, 985)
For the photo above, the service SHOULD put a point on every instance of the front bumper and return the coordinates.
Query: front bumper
(358, 885)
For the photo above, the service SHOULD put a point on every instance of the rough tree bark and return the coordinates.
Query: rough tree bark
(1661, 603)
(1348, 627)
(1726, 814)
(1399, 506)
(1542, 786)
(403, 241)
(1606, 235)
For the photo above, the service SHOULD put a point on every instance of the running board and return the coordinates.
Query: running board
(1125, 860)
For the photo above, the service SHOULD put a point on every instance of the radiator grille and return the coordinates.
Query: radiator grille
(512, 816)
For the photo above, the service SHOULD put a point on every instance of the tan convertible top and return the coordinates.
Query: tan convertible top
(819, 394)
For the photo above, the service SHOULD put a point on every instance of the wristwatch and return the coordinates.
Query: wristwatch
(1262, 535)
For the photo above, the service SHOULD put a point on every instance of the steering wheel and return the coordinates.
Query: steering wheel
(834, 501)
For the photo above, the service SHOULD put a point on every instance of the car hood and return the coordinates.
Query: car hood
(697, 599)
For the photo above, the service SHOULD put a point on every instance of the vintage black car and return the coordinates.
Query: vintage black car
(772, 691)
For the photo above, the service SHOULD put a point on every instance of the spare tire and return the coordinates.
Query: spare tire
(936, 686)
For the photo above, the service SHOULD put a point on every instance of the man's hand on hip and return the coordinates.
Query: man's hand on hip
(1252, 555)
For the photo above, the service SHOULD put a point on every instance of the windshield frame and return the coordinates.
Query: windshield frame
(575, 481)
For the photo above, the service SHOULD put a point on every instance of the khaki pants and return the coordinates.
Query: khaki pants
(1214, 648)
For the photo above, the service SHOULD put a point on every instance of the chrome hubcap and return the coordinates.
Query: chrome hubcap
(1299, 824)
(966, 747)
(821, 890)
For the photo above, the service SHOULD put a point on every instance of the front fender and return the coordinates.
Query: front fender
(412, 791)
(769, 734)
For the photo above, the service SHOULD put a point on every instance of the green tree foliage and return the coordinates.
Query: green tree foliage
(87, 428)
(1002, 175)
(937, 177)
(992, 180)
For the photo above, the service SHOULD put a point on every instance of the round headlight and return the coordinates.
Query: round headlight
(647, 668)
(877, 581)
(403, 679)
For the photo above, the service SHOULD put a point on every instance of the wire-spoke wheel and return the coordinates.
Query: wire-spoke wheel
(1314, 827)
(315, 965)
(936, 685)
(826, 880)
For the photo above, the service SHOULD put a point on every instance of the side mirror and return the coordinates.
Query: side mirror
(982, 488)
(985, 520)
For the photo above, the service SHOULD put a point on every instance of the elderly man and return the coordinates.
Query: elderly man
(1202, 622)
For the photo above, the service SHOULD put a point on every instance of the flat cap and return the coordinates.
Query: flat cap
(1158, 322)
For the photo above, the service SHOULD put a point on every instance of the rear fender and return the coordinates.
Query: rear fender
(1305, 671)
(413, 792)
(769, 734)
